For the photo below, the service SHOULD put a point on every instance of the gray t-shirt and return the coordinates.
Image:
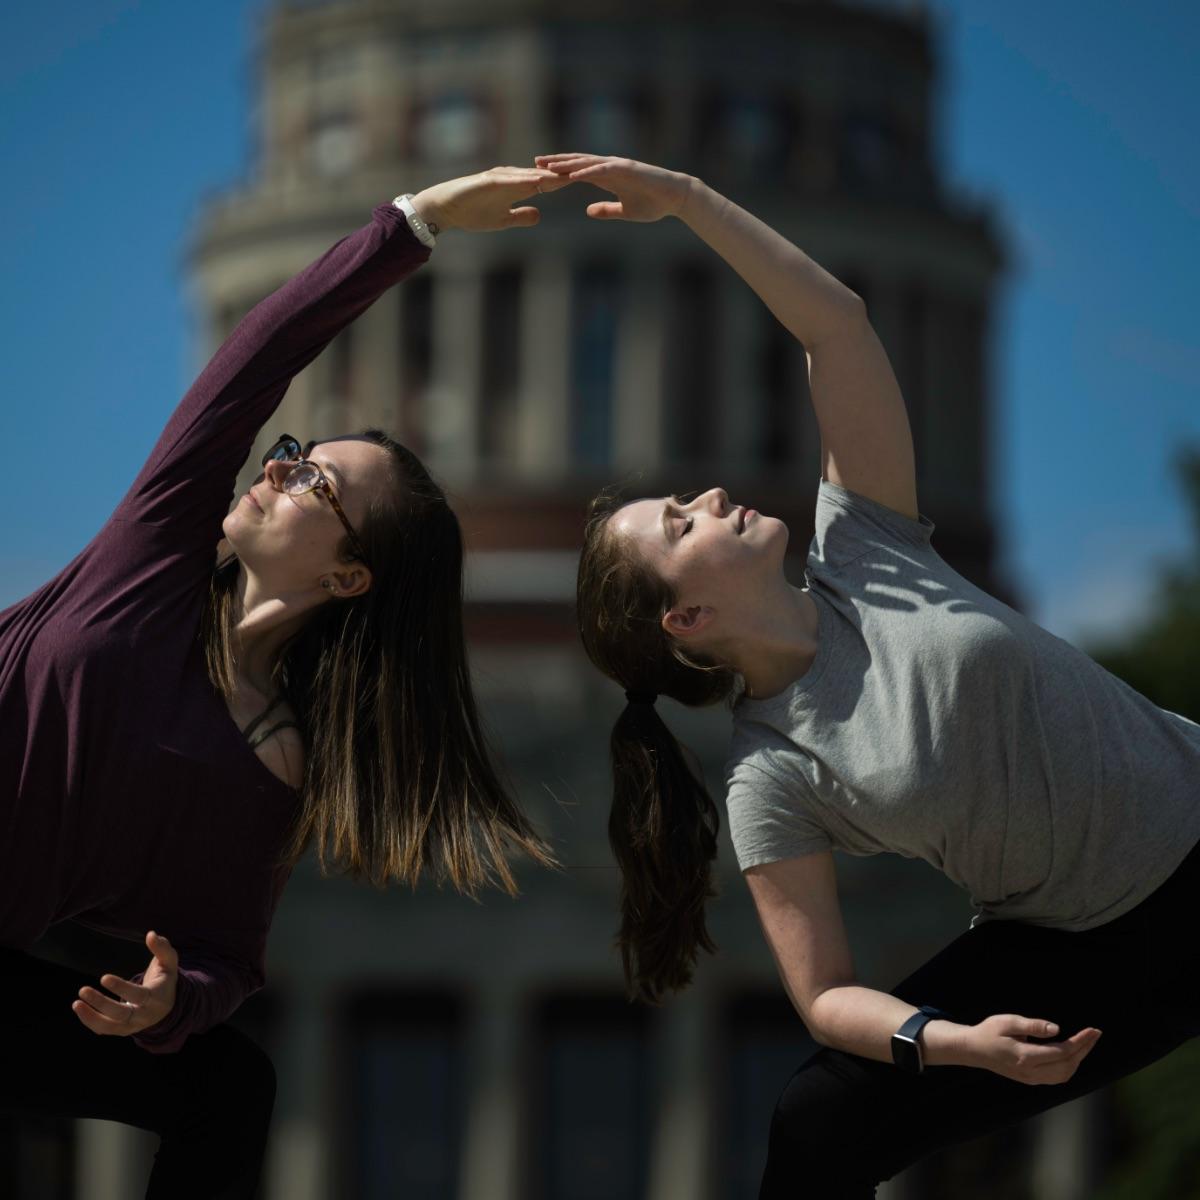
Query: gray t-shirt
(939, 723)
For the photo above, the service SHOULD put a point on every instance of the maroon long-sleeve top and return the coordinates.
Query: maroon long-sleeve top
(129, 799)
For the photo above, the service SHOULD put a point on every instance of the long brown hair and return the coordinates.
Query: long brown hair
(398, 778)
(663, 824)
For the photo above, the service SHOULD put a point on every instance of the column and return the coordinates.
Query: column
(680, 1162)
(112, 1161)
(375, 372)
(740, 394)
(543, 397)
(641, 353)
(297, 1153)
(452, 403)
(1064, 1151)
(492, 1137)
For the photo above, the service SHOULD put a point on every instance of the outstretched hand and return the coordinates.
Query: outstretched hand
(1004, 1044)
(141, 1005)
(484, 202)
(644, 192)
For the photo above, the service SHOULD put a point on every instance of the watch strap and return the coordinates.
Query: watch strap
(902, 1054)
(424, 233)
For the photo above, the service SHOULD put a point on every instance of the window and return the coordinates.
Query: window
(747, 134)
(500, 363)
(337, 143)
(595, 314)
(692, 360)
(764, 1043)
(452, 127)
(416, 356)
(593, 1109)
(404, 1096)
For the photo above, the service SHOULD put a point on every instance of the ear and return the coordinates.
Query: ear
(345, 585)
(687, 622)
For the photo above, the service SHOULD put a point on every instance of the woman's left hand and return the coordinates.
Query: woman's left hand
(484, 202)
(141, 1005)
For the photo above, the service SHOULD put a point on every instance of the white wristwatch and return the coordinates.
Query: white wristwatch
(424, 234)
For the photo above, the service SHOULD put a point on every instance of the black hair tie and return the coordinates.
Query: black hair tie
(635, 697)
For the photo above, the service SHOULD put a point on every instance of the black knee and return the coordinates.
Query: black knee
(230, 1086)
(827, 1137)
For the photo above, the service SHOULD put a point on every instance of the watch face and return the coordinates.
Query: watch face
(906, 1054)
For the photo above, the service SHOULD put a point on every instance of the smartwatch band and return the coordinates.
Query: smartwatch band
(906, 1050)
(424, 234)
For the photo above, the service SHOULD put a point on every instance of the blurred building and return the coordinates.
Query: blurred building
(429, 1047)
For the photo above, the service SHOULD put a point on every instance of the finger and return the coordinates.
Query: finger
(97, 1023)
(550, 160)
(567, 165)
(1063, 1053)
(606, 210)
(1081, 1043)
(519, 218)
(106, 1005)
(127, 990)
(1028, 1027)
(162, 949)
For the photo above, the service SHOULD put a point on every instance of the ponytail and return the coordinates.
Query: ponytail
(663, 824)
(663, 831)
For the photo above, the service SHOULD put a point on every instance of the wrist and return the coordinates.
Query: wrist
(430, 212)
(693, 198)
(945, 1044)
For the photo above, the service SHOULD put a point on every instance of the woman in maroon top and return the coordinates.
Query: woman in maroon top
(173, 734)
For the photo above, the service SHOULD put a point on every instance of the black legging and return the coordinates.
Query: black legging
(210, 1103)
(844, 1123)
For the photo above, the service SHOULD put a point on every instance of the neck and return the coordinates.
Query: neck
(265, 619)
(780, 644)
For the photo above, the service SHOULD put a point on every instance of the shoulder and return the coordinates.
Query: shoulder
(283, 750)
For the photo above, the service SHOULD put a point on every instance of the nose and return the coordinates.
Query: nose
(719, 498)
(274, 470)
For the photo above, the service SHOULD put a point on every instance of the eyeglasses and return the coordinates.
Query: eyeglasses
(306, 476)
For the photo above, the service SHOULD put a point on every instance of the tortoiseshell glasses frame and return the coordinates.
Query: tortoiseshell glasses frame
(306, 476)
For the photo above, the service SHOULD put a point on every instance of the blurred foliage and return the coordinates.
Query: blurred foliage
(1157, 1111)
(1161, 656)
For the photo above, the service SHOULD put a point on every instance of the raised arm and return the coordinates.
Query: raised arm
(798, 908)
(866, 442)
(187, 481)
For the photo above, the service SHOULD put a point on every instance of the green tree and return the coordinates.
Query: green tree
(1157, 1111)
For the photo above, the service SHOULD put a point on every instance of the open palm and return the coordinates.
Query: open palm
(644, 192)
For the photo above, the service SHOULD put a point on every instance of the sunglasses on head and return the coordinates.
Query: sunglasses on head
(306, 476)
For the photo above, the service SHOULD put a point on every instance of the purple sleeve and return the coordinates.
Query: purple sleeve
(209, 988)
(187, 482)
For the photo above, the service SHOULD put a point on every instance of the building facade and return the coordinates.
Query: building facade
(434, 1048)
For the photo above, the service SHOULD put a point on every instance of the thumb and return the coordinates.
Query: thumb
(519, 218)
(162, 950)
(606, 210)
(1029, 1027)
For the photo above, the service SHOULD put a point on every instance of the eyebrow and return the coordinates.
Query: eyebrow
(330, 469)
(326, 466)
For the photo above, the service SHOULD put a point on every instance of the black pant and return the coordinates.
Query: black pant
(210, 1103)
(844, 1123)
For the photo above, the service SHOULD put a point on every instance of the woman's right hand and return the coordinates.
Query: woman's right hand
(1001, 1044)
(644, 193)
(484, 202)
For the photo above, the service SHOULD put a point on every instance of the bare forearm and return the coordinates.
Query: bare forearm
(805, 298)
(861, 1021)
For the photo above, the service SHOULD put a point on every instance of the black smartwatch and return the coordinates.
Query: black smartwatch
(906, 1050)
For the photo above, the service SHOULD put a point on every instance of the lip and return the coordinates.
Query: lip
(250, 497)
(744, 514)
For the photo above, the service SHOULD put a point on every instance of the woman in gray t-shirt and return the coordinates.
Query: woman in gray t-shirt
(888, 705)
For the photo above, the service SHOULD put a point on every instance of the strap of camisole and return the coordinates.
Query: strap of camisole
(262, 737)
(262, 717)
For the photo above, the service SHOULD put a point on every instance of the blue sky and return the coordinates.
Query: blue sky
(1077, 121)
